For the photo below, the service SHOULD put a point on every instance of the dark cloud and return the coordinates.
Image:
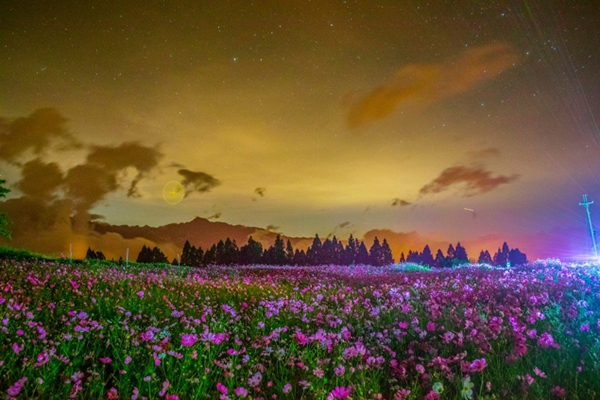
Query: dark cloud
(423, 84)
(36, 132)
(400, 202)
(216, 215)
(260, 191)
(272, 228)
(344, 224)
(197, 181)
(40, 180)
(476, 180)
(175, 165)
(131, 154)
(484, 153)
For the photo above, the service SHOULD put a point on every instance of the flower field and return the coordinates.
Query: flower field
(100, 331)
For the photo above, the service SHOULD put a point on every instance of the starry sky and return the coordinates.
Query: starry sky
(451, 121)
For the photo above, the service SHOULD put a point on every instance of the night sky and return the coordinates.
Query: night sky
(475, 122)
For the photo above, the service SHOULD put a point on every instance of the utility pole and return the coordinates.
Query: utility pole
(586, 204)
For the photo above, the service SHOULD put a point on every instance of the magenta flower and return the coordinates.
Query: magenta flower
(341, 392)
(287, 388)
(148, 335)
(188, 340)
(16, 387)
(478, 365)
(172, 397)
(241, 392)
(221, 388)
(127, 360)
(140, 293)
(105, 360)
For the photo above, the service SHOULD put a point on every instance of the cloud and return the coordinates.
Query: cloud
(131, 154)
(423, 84)
(40, 180)
(400, 202)
(484, 153)
(197, 181)
(272, 228)
(216, 215)
(344, 224)
(260, 191)
(476, 179)
(36, 133)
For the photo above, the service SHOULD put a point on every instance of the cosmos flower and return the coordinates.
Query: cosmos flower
(341, 392)
(188, 340)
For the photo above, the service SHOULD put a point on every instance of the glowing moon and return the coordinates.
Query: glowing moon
(173, 192)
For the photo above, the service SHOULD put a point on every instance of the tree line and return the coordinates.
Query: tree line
(329, 251)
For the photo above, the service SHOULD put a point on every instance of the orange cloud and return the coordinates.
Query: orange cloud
(424, 84)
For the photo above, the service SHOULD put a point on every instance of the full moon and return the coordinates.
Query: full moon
(173, 192)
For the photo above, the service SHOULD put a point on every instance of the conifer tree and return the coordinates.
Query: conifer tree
(313, 254)
(187, 254)
(299, 258)
(100, 255)
(402, 258)
(426, 256)
(440, 260)
(350, 252)
(90, 254)
(460, 255)
(158, 256)
(289, 253)
(387, 253)
(484, 257)
(375, 253)
(362, 257)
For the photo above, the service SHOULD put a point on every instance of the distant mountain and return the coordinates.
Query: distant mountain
(199, 231)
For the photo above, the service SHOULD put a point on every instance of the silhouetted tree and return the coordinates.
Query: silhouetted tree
(326, 256)
(440, 260)
(413, 257)
(278, 255)
(313, 254)
(516, 257)
(299, 258)
(230, 252)
(362, 257)
(387, 253)
(220, 253)
(210, 256)
(158, 256)
(188, 254)
(289, 253)
(427, 257)
(90, 254)
(460, 255)
(485, 257)
(337, 250)
(251, 252)
(501, 256)
(100, 255)
(402, 258)
(351, 251)
(375, 253)
(145, 255)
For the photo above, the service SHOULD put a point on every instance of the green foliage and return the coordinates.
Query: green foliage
(4, 231)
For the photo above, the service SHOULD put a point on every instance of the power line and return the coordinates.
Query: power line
(586, 204)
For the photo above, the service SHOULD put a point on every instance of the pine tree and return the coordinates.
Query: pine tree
(187, 254)
(440, 260)
(158, 256)
(219, 253)
(230, 252)
(313, 254)
(289, 253)
(251, 253)
(375, 254)
(100, 255)
(90, 254)
(144, 256)
(460, 255)
(326, 256)
(427, 257)
(516, 257)
(362, 257)
(210, 256)
(402, 258)
(484, 258)
(299, 258)
(349, 256)
(387, 253)
(279, 255)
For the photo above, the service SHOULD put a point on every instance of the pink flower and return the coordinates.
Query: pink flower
(318, 372)
(172, 397)
(528, 379)
(148, 335)
(402, 394)
(584, 327)
(478, 365)
(558, 392)
(221, 388)
(16, 348)
(113, 394)
(340, 392)
(156, 359)
(241, 392)
(127, 360)
(420, 369)
(539, 372)
(188, 340)
(301, 338)
(430, 326)
(16, 387)
(546, 340)
(339, 370)
(287, 388)
(105, 360)
(431, 396)
(140, 293)
(403, 324)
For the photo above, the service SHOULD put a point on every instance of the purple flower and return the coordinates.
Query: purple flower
(221, 388)
(148, 335)
(241, 392)
(188, 340)
(287, 388)
(341, 392)
(16, 387)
